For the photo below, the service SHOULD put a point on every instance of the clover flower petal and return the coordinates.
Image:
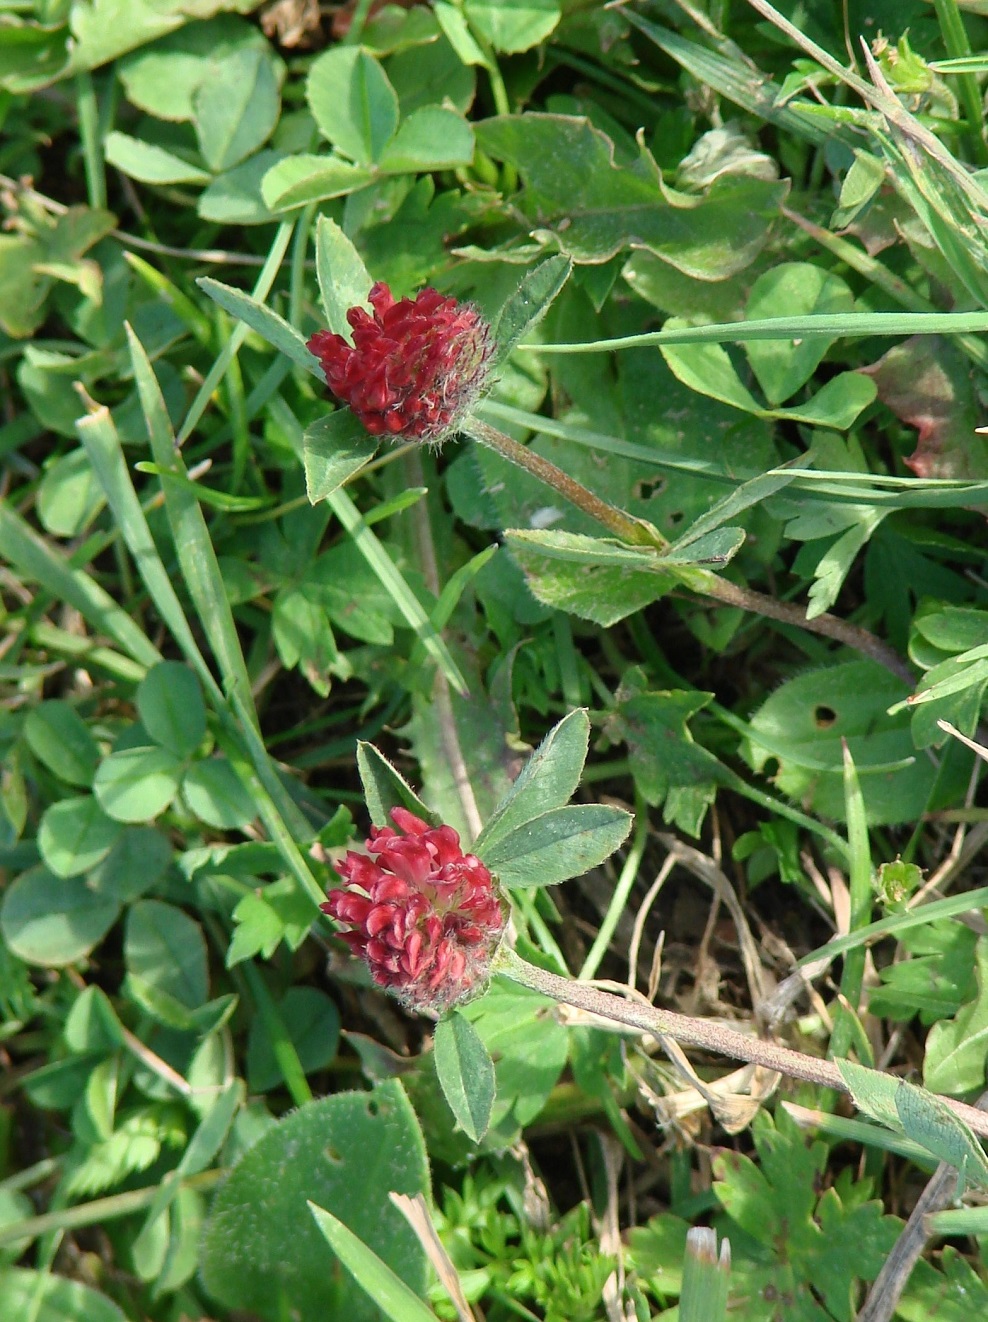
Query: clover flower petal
(425, 916)
(415, 367)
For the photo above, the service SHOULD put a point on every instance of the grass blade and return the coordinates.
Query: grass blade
(32, 556)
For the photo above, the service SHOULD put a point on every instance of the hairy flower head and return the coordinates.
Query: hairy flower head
(424, 916)
(415, 367)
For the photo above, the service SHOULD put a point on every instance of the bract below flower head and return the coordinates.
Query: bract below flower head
(425, 917)
(415, 367)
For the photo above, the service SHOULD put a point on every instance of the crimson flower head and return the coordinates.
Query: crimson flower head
(415, 367)
(424, 916)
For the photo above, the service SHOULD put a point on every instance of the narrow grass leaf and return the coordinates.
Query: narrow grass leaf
(845, 326)
(390, 576)
(394, 1298)
(262, 287)
(99, 436)
(190, 536)
(32, 556)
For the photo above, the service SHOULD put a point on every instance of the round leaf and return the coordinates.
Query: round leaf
(216, 795)
(58, 736)
(166, 950)
(52, 920)
(137, 784)
(136, 862)
(47, 1298)
(69, 495)
(75, 835)
(172, 711)
(262, 1252)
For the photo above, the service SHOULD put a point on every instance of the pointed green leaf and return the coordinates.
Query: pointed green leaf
(559, 844)
(529, 303)
(930, 1121)
(466, 1074)
(261, 319)
(334, 449)
(342, 275)
(385, 788)
(388, 1291)
(547, 780)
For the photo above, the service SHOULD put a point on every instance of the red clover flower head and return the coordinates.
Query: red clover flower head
(425, 917)
(415, 367)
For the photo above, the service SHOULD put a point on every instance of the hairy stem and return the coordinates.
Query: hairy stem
(637, 532)
(702, 1033)
(629, 529)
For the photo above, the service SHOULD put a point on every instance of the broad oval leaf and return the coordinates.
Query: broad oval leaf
(75, 834)
(58, 736)
(170, 705)
(165, 948)
(352, 102)
(215, 793)
(261, 1250)
(334, 449)
(53, 921)
(136, 784)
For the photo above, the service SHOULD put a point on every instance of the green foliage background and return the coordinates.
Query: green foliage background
(215, 588)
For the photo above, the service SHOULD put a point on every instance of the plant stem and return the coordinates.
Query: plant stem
(637, 532)
(830, 626)
(702, 1033)
(634, 531)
